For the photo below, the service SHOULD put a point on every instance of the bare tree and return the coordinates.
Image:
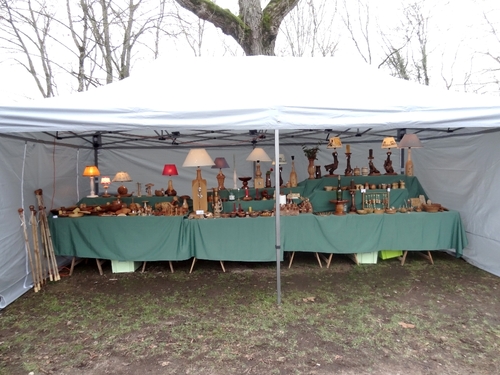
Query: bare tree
(26, 27)
(254, 29)
(309, 29)
(358, 27)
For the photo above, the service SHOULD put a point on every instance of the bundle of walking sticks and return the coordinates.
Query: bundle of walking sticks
(42, 259)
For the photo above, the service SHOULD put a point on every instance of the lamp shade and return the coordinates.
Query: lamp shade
(220, 163)
(258, 154)
(281, 160)
(105, 180)
(198, 157)
(91, 171)
(389, 142)
(410, 141)
(122, 177)
(334, 142)
(170, 170)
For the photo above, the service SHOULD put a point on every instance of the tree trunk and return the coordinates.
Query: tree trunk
(254, 29)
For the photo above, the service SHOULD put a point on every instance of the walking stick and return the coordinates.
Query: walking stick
(38, 262)
(49, 247)
(28, 249)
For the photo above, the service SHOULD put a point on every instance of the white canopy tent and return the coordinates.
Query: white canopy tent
(226, 103)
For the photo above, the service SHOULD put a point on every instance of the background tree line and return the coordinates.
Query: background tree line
(79, 44)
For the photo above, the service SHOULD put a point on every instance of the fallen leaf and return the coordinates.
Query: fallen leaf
(164, 363)
(309, 299)
(406, 325)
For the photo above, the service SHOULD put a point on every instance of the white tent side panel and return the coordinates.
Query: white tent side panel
(18, 187)
(463, 173)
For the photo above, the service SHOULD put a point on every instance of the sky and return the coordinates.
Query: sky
(456, 33)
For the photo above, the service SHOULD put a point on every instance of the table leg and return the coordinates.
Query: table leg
(319, 260)
(222, 265)
(291, 259)
(329, 260)
(171, 266)
(192, 265)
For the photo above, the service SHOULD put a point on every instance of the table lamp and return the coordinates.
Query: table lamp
(257, 155)
(220, 163)
(91, 171)
(122, 177)
(199, 157)
(334, 143)
(170, 170)
(410, 141)
(388, 143)
(105, 182)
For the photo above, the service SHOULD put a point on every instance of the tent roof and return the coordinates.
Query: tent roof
(232, 95)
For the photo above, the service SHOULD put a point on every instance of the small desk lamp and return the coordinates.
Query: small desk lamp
(220, 163)
(199, 157)
(410, 141)
(91, 171)
(122, 177)
(388, 143)
(170, 170)
(105, 182)
(258, 154)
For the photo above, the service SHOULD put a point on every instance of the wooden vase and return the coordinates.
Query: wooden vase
(311, 169)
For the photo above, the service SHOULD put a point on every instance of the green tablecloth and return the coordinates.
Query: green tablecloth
(252, 239)
(366, 233)
(132, 238)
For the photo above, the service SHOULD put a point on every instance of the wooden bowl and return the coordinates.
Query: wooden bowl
(361, 212)
(434, 207)
(378, 211)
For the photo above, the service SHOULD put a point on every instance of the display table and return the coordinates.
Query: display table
(152, 238)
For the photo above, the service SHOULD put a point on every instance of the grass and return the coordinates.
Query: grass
(349, 318)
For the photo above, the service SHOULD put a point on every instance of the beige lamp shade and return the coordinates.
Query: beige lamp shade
(122, 177)
(258, 154)
(410, 141)
(91, 171)
(198, 157)
(389, 142)
(334, 142)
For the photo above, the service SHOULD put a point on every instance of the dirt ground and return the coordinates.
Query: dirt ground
(368, 319)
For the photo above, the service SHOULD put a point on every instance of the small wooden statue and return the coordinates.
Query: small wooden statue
(331, 167)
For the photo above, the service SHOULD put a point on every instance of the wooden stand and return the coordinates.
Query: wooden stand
(199, 192)
(339, 207)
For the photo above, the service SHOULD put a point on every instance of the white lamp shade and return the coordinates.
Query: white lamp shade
(198, 157)
(410, 141)
(258, 154)
(281, 160)
(105, 180)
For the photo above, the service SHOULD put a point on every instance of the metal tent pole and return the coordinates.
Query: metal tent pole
(277, 212)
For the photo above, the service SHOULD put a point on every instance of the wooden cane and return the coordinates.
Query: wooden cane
(48, 238)
(38, 262)
(28, 248)
(45, 244)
